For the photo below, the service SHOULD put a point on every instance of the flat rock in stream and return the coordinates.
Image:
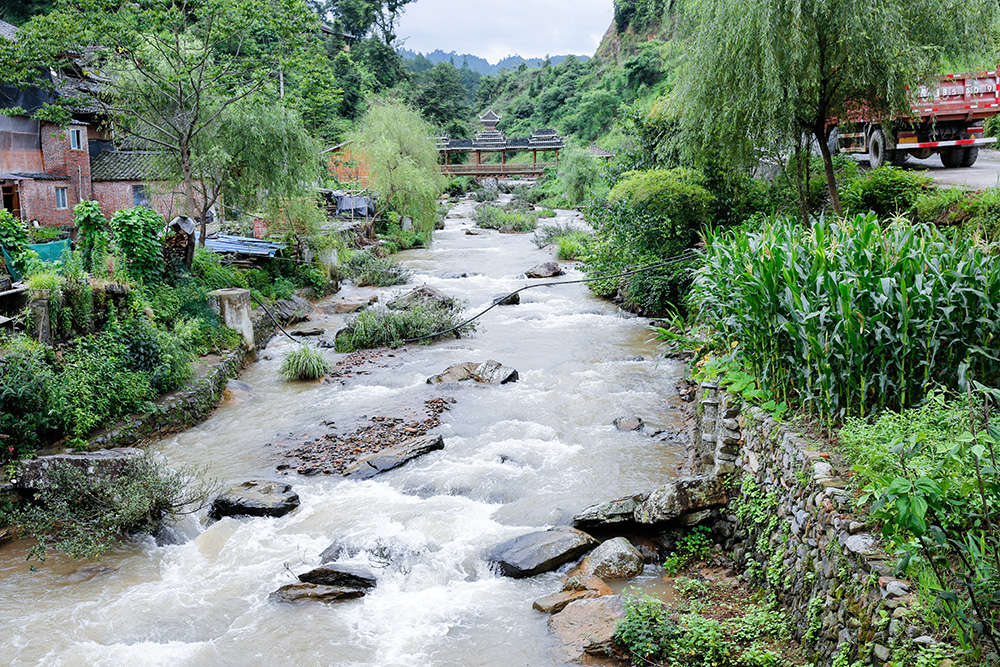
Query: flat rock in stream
(684, 496)
(587, 626)
(340, 575)
(394, 457)
(616, 512)
(538, 552)
(315, 593)
(348, 305)
(455, 373)
(257, 497)
(546, 270)
(629, 424)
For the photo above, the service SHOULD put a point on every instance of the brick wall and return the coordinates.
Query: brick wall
(72, 164)
(117, 195)
(38, 202)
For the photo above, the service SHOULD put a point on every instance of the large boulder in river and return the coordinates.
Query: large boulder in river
(257, 497)
(345, 305)
(488, 372)
(538, 552)
(686, 495)
(340, 575)
(614, 559)
(33, 474)
(493, 372)
(315, 593)
(424, 295)
(587, 626)
(394, 457)
(292, 311)
(546, 270)
(455, 373)
(512, 299)
(620, 512)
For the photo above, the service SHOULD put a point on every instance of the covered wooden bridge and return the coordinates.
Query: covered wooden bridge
(491, 141)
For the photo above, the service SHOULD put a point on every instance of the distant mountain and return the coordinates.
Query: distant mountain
(481, 65)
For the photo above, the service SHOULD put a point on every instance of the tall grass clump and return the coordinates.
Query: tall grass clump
(495, 217)
(851, 315)
(886, 191)
(304, 363)
(382, 326)
(364, 268)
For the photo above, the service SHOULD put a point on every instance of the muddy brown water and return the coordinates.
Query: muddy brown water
(517, 458)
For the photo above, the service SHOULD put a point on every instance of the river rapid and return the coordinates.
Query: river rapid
(517, 458)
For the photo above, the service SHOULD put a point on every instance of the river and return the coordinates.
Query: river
(517, 457)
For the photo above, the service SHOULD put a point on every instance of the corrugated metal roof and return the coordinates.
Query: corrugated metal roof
(242, 245)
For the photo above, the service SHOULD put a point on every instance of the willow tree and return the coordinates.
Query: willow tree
(763, 73)
(400, 157)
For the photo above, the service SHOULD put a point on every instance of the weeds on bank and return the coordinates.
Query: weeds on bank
(304, 363)
(382, 326)
(366, 269)
(495, 217)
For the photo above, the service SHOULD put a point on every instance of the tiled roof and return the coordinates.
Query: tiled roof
(597, 151)
(7, 30)
(38, 176)
(126, 166)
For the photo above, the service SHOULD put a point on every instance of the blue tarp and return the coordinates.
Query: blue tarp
(49, 253)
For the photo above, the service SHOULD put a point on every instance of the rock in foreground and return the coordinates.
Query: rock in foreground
(546, 270)
(424, 295)
(256, 497)
(543, 551)
(621, 511)
(488, 372)
(394, 457)
(686, 495)
(614, 559)
(586, 626)
(507, 299)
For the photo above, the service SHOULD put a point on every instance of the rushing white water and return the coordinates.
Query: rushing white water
(517, 457)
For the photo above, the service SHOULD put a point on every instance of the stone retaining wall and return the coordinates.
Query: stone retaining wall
(190, 405)
(791, 529)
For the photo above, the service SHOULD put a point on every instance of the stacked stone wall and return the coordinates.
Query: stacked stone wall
(791, 528)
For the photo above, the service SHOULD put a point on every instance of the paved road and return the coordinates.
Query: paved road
(984, 174)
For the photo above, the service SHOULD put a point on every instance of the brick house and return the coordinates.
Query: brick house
(46, 169)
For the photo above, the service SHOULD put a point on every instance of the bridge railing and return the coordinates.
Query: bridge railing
(496, 169)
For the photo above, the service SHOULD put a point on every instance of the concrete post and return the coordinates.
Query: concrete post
(233, 308)
(39, 307)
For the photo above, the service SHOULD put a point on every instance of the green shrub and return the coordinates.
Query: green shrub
(92, 236)
(546, 213)
(975, 214)
(365, 268)
(28, 390)
(853, 314)
(886, 191)
(649, 217)
(304, 363)
(84, 514)
(381, 326)
(495, 217)
(645, 631)
(14, 239)
(693, 547)
(459, 186)
(572, 246)
(136, 234)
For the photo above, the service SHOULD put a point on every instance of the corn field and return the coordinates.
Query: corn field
(852, 315)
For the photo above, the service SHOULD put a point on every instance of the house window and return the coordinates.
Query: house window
(76, 139)
(61, 201)
(140, 196)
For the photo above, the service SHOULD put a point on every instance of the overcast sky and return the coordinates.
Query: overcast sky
(494, 29)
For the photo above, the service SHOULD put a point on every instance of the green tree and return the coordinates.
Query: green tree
(440, 95)
(169, 70)
(764, 72)
(395, 143)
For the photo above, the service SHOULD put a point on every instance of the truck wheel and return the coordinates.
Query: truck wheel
(876, 148)
(951, 157)
(970, 155)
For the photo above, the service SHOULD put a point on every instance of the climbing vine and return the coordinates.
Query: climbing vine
(136, 236)
(93, 234)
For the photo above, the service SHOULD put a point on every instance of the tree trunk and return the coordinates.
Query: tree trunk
(189, 190)
(831, 180)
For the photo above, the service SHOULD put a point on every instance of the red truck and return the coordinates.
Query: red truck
(946, 118)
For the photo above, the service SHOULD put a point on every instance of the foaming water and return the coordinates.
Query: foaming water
(516, 458)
